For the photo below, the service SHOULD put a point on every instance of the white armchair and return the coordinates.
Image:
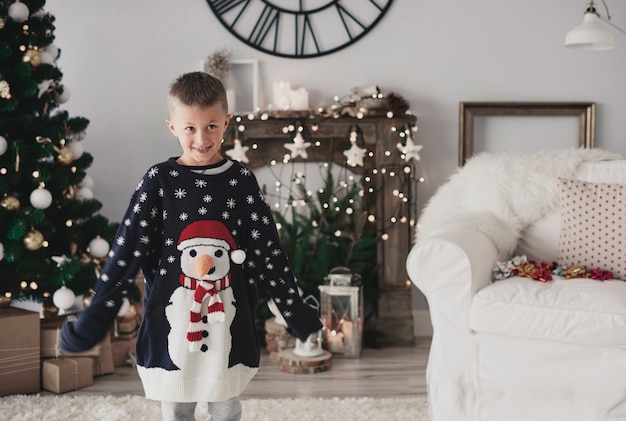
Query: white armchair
(517, 349)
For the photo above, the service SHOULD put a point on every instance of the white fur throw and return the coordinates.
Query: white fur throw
(500, 194)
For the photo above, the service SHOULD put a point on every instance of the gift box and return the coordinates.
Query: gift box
(19, 352)
(123, 351)
(101, 353)
(61, 375)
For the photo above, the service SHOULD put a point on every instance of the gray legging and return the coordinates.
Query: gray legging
(229, 410)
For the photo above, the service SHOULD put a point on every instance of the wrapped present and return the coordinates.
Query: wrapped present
(19, 351)
(124, 351)
(61, 375)
(101, 353)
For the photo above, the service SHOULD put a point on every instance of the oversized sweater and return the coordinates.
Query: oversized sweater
(204, 238)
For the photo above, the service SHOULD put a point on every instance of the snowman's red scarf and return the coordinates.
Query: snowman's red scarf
(215, 308)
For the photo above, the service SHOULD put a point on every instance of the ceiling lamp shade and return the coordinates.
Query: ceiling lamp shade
(592, 34)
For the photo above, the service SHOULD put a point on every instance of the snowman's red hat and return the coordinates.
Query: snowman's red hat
(206, 233)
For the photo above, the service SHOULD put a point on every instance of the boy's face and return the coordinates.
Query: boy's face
(200, 131)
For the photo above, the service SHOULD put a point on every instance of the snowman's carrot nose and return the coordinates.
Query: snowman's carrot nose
(203, 265)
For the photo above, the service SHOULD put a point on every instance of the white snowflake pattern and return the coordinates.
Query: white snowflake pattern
(225, 215)
(239, 222)
(163, 272)
(161, 192)
(109, 303)
(144, 239)
(278, 300)
(153, 172)
(154, 212)
(269, 243)
(180, 193)
(169, 242)
(250, 199)
(269, 266)
(287, 314)
(143, 197)
(139, 184)
(245, 171)
(251, 264)
(257, 252)
(255, 234)
(105, 277)
(120, 241)
(254, 216)
(289, 301)
(207, 198)
(273, 283)
(202, 210)
(230, 203)
(201, 183)
(174, 173)
(265, 220)
(164, 214)
(137, 208)
(143, 223)
(233, 182)
(137, 253)
(183, 216)
(127, 222)
(171, 259)
(276, 252)
(251, 281)
(121, 263)
(291, 291)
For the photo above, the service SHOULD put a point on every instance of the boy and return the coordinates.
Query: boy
(199, 228)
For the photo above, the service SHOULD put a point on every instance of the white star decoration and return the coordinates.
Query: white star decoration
(355, 155)
(238, 152)
(60, 260)
(298, 147)
(410, 150)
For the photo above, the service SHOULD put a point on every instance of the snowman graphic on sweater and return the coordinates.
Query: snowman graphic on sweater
(202, 308)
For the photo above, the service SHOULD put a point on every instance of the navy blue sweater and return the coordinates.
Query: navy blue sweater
(204, 238)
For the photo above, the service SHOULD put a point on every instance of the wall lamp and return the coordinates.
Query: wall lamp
(592, 34)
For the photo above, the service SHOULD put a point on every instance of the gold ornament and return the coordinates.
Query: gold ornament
(33, 240)
(87, 298)
(32, 56)
(65, 155)
(2, 22)
(10, 203)
(5, 90)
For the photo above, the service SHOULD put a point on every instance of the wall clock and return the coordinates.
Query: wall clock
(299, 28)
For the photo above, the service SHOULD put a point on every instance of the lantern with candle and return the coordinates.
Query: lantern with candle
(312, 347)
(342, 314)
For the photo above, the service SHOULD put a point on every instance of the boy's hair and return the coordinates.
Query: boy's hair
(197, 89)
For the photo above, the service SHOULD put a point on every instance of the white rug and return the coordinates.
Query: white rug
(137, 408)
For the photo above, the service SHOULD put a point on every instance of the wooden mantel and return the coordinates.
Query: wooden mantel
(376, 134)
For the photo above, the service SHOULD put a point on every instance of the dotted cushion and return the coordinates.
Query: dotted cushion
(593, 226)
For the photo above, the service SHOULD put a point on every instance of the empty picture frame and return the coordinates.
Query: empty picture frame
(244, 81)
(577, 129)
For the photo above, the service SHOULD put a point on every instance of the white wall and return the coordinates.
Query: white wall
(118, 58)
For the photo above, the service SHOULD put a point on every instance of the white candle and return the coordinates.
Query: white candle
(281, 95)
(299, 99)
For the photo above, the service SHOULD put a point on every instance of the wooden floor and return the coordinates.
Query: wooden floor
(386, 372)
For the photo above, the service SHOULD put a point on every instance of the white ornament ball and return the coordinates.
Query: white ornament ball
(64, 97)
(238, 256)
(3, 145)
(1, 251)
(87, 182)
(19, 12)
(53, 50)
(41, 198)
(84, 193)
(99, 247)
(77, 149)
(46, 57)
(124, 308)
(64, 298)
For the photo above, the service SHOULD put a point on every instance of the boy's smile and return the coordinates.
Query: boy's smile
(200, 131)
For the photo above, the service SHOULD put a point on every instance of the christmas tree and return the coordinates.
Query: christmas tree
(52, 240)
